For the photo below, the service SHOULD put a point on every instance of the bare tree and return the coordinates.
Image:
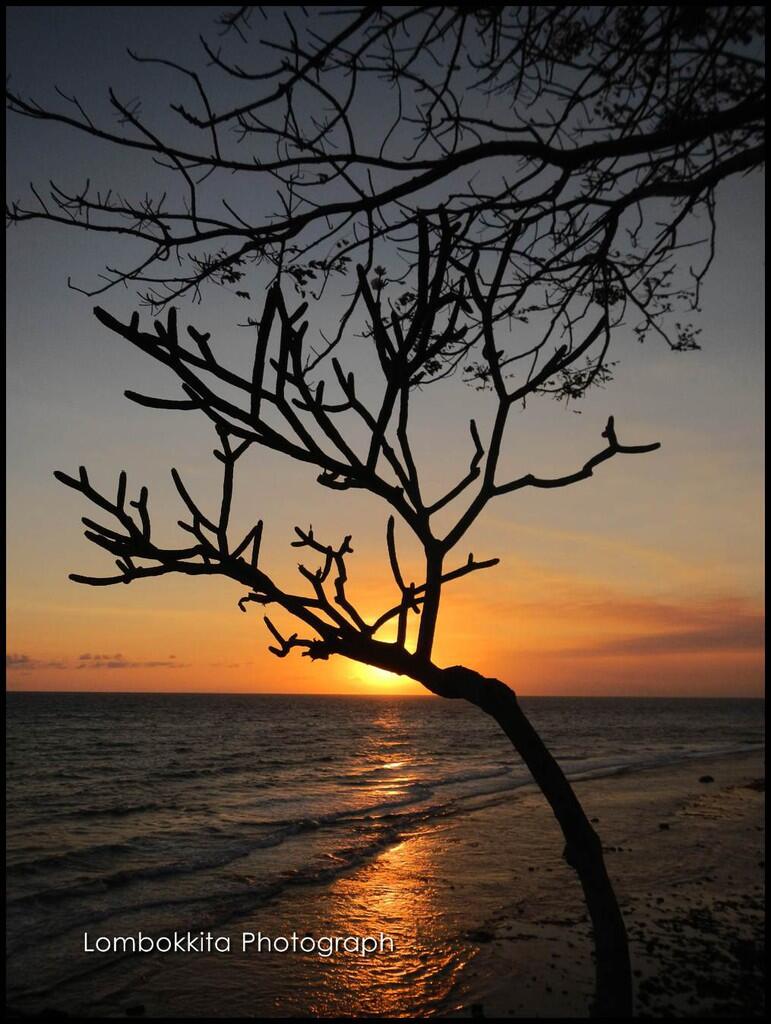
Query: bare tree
(541, 168)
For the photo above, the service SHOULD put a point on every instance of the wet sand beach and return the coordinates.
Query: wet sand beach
(687, 860)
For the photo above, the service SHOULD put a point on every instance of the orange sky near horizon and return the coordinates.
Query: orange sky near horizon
(644, 580)
(662, 597)
(543, 631)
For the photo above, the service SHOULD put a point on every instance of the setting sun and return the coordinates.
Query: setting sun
(377, 677)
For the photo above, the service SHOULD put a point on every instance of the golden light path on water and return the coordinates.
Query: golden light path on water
(403, 893)
(400, 895)
(407, 891)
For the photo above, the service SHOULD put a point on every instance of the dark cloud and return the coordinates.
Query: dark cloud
(741, 633)
(18, 661)
(117, 661)
(23, 662)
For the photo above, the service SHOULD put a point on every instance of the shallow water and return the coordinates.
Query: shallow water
(174, 812)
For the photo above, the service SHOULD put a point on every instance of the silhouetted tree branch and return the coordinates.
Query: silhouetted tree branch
(607, 113)
(281, 384)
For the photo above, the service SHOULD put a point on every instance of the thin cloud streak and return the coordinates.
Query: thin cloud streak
(731, 637)
(25, 663)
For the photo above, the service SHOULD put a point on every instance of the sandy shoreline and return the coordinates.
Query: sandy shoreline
(687, 861)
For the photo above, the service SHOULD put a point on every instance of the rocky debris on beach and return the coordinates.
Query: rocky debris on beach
(698, 962)
(694, 904)
(759, 785)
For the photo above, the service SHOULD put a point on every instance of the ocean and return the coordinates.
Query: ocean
(165, 813)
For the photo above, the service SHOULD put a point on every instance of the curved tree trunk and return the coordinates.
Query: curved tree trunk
(583, 852)
(583, 848)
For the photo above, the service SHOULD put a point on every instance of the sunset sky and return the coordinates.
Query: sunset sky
(645, 580)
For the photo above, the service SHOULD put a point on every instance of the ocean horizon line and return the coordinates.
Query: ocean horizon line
(398, 696)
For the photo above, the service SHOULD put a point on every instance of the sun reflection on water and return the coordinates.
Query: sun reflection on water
(400, 894)
(404, 893)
